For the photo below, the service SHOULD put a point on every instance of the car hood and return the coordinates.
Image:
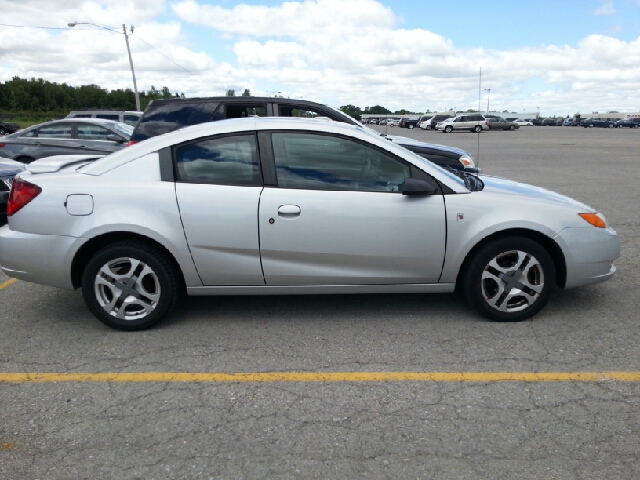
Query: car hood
(505, 186)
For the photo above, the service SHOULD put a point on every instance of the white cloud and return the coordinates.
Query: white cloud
(334, 51)
(606, 9)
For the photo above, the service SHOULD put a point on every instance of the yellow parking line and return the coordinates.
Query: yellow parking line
(8, 283)
(477, 377)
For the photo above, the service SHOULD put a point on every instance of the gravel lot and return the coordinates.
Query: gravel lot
(448, 430)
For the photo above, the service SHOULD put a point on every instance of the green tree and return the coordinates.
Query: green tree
(231, 92)
(352, 111)
(246, 93)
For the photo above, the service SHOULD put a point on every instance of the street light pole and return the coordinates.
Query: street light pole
(126, 39)
(135, 86)
(488, 96)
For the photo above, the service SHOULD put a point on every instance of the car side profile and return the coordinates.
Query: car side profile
(267, 206)
(70, 136)
(473, 122)
(499, 123)
(598, 122)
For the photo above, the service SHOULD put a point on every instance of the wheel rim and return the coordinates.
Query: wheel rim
(127, 288)
(512, 281)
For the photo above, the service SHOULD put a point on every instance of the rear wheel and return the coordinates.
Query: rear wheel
(130, 285)
(2, 131)
(477, 129)
(510, 280)
(512, 127)
(411, 125)
(428, 127)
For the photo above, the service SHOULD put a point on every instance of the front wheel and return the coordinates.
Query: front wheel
(130, 285)
(2, 131)
(448, 129)
(512, 127)
(611, 125)
(411, 126)
(428, 127)
(510, 280)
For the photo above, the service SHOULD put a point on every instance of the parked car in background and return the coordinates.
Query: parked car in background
(598, 122)
(65, 137)
(435, 120)
(408, 123)
(523, 122)
(572, 122)
(536, 121)
(393, 122)
(426, 123)
(499, 123)
(633, 122)
(124, 116)
(424, 119)
(8, 127)
(473, 122)
(443, 155)
(8, 170)
(547, 122)
(257, 206)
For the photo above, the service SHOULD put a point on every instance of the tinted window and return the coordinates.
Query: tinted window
(57, 130)
(168, 117)
(82, 115)
(87, 131)
(243, 111)
(221, 161)
(107, 116)
(323, 162)
(301, 112)
(131, 119)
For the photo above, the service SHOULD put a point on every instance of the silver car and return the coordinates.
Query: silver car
(291, 206)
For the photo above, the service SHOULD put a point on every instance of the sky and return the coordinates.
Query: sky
(558, 57)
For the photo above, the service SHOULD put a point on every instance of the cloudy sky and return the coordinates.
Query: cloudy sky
(561, 56)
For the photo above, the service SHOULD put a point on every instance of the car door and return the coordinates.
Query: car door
(92, 139)
(337, 216)
(218, 185)
(55, 139)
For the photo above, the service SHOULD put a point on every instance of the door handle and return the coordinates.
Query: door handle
(288, 210)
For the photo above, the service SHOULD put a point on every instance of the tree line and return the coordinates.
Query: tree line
(21, 95)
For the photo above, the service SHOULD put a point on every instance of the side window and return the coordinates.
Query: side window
(229, 160)
(323, 162)
(57, 130)
(87, 131)
(243, 111)
(131, 119)
(299, 112)
(108, 116)
(82, 115)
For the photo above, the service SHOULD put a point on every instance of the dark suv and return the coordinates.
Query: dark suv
(164, 116)
(6, 127)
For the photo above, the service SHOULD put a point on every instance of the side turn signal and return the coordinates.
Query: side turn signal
(594, 219)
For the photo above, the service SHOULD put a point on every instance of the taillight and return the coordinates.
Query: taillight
(131, 142)
(22, 192)
(2, 145)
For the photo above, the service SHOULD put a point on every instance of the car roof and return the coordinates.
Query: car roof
(291, 101)
(251, 124)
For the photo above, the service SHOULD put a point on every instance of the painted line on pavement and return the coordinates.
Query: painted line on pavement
(8, 283)
(330, 377)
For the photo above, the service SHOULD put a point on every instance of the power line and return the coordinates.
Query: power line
(162, 54)
(34, 26)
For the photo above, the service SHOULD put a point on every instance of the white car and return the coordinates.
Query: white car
(276, 205)
(473, 122)
(523, 123)
(425, 124)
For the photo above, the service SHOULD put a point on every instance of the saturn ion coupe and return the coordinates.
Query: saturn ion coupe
(267, 206)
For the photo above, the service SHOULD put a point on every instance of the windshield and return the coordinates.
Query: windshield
(123, 129)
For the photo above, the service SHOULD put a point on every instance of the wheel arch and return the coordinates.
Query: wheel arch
(546, 242)
(89, 248)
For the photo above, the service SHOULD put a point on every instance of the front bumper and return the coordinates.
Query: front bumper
(589, 254)
(44, 259)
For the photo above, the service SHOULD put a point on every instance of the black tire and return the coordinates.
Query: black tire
(477, 129)
(2, 131)
(411, 126)
(512, 127)
(611, 125)
(162, 276)
(448, 129)
(485, 293)
(428, 127)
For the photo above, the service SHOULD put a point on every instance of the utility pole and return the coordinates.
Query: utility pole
(135, 86)
(488, 95)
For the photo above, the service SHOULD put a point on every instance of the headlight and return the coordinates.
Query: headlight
(467, 161)
(595, 219)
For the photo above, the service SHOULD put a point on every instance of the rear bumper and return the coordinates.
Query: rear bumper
(589, 254)
(44, 259)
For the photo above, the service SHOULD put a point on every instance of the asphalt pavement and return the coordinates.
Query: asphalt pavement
(487, 428)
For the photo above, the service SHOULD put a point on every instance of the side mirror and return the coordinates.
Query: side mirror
(414, 186)
(115, 138)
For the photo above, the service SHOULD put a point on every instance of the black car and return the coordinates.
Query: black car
(8, 170)
(536, 121)
(443, 155)
(164, 116)
(598, 122)
(6, 127)
(633, 122)
(408, 123)
(71, 136)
